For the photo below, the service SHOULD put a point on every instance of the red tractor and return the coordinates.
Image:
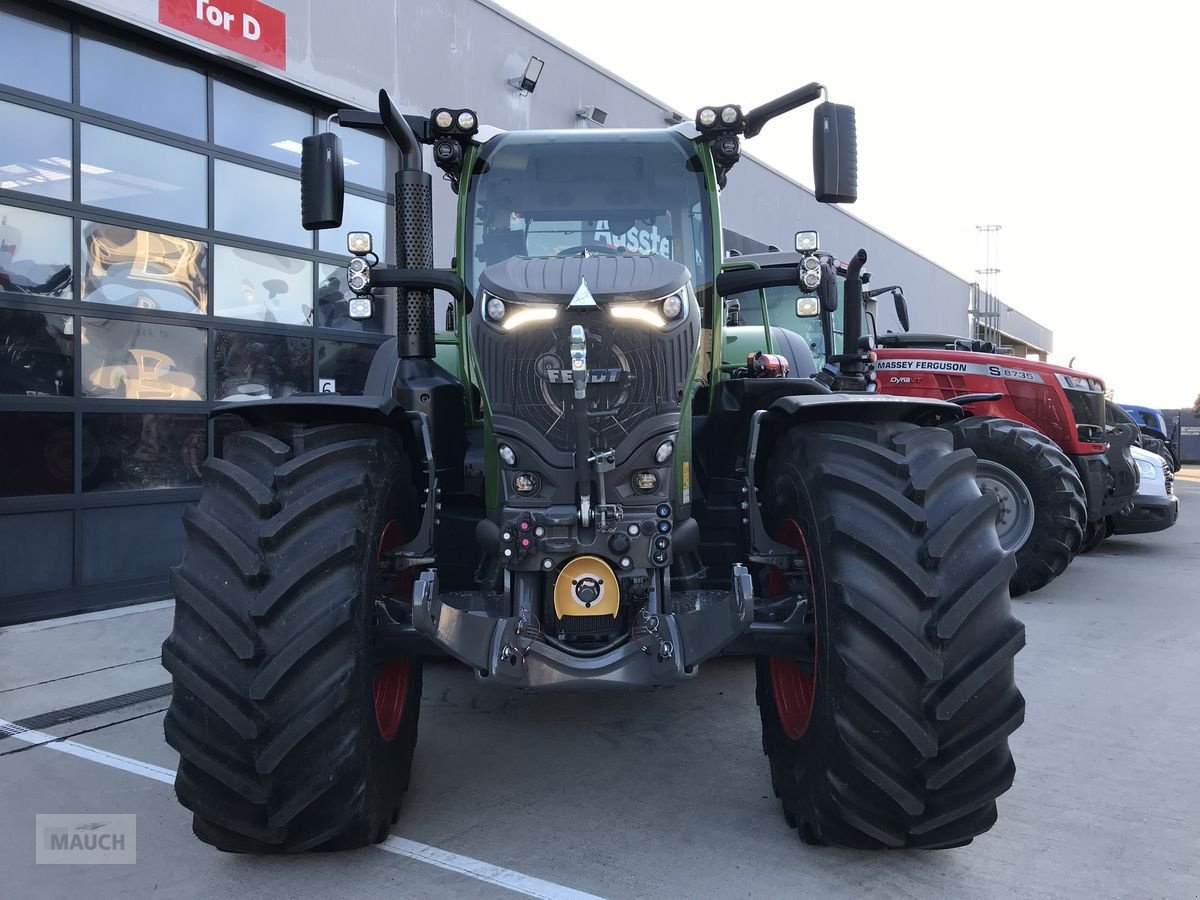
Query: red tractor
(1039, 431)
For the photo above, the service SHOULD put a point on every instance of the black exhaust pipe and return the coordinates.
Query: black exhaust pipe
(852, 304)
(414, 235)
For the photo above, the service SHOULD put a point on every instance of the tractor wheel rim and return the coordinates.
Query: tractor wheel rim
(391, 695)
(390, 687)
(794, 689)
(1014, 522)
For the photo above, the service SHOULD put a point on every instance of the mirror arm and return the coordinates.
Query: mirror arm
(737, 281)
(761, 115)
(421, 279)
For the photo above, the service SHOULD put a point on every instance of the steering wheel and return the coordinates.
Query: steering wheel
(599, 249)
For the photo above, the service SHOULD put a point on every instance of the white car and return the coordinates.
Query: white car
(1155, 506)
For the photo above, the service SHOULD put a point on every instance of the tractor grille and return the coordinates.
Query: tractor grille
(635, 372)
(1087, 407)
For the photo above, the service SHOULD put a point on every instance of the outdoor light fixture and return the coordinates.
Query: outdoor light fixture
(593, 115)
(361, 308)
(720, 118)
(359, 242)
(807, 241)
(358, 276)
(528, 81)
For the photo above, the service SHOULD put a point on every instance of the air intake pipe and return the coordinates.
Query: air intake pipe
(852, 303)
(414, 235)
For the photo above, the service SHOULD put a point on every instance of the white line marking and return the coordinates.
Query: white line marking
(465, 865)
(44, 624)
(443, 859)
(113, 760)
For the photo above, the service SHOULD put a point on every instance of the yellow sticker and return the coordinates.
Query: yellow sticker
(687, 481)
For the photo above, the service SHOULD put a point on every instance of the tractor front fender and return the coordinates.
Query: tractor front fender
(306, 408)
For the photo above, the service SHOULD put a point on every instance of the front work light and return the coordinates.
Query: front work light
(495, 309)
(664, 451)
(361, 308)
(645, 481)
(807, 241)
(525, 482)
(466, 120)
(443, 119)
(359, 242)
(706, 118)
(672, 307)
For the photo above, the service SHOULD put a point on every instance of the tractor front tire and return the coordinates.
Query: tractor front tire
(291, 735)
(1043, 524)
(898, 735)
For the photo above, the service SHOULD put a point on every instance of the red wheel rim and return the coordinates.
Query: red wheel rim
(391, 693)
(795, 690)
(391, 684)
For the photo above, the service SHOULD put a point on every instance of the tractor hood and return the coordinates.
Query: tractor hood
(608, 278)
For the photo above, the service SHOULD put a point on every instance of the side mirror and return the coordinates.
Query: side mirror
(733, 312)
(322, 181)
(827, 290)
(901, 308)
(807, 307)
(835, 153)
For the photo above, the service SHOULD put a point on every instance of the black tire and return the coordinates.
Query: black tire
(914, 700)
(1095, 534)
(271, 653)
(1059, 508)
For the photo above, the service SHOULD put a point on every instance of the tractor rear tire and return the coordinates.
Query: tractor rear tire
(291, 735)
(1058, 507)
(898, 735)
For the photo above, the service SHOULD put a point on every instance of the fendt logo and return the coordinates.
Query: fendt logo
(244, 26)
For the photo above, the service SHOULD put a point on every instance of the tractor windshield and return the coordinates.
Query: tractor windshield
(562, 193)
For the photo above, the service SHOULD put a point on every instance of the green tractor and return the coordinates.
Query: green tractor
(575, 489)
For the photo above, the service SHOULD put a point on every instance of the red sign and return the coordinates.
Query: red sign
(244, 26)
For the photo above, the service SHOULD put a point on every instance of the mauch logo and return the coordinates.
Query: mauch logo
(86, 839)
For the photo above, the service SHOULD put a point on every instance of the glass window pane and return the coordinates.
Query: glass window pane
(35, 152)
(129, 267)
(35, 252)
(36, 353)
(35, 53)
(141, 177)
(366, 158)
(37, 455)
(258, 204)
(142, 361)
(360, 214)
(333, 299)
(134, 86)
(264, 287)
(253, 124)
(342, 366)
(136, 451)
(250, 366)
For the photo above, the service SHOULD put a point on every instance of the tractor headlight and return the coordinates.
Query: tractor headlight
(811, 264)
(707, 117)
(360, 308)
(664, 451)
(730, 115)
(526, 483)
(444, 119)
(672, 307)
(507, 455)
(495, 309)
(359, 242)
(466, 120)
(645, 482)
(811, 281)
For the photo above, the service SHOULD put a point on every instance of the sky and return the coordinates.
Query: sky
(1073, 125)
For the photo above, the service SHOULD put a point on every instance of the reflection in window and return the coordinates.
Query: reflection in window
(343, 366)
(333, 303)
(141, 177)
(35, 252)
(135, 86)
(138, 451)
(37, 455)
(264, 287)
(253, 124)
(142, 361)
(35, 54)
(129, 267)
(259, 204)
(35, 152)
(360, 214)
(366, 158)
(250, 366)
(36, 353)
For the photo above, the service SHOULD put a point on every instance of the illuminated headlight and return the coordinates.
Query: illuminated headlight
(527, 314)
(525, 483)
(638, 312)
(664, 451)
(707, 117)
(444, 119)
(466, 121)
(507, 455)
(811, 281)
(361, 308)
(730, 114)
(1148, 470)
(811, 264)
(359, 242)
(807, 241)
(672, 307)
(495, 309)
(645, 481)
